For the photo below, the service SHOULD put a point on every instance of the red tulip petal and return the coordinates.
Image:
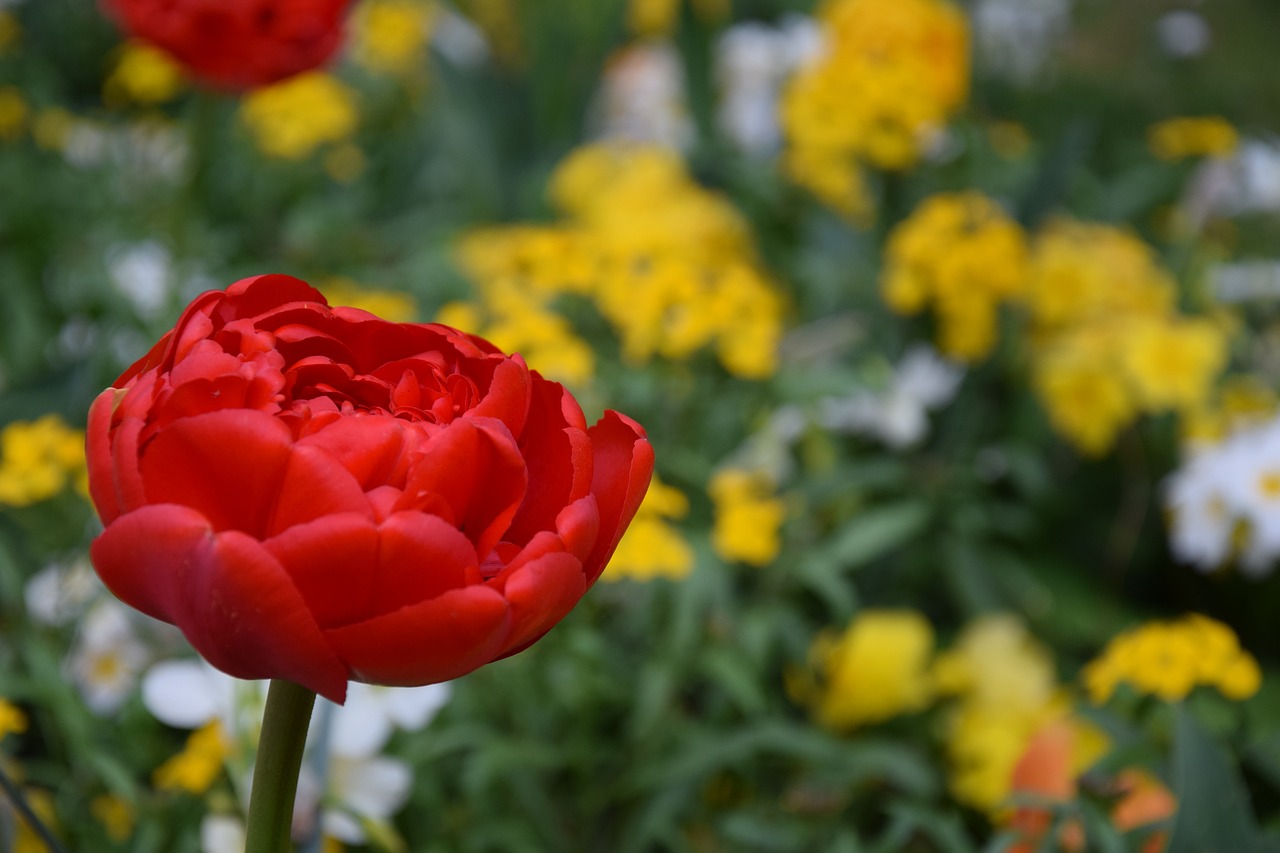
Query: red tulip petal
(475, 470)
(429, 642)
(369, 446)
(578, 525)
(508, 396)
(624, 467)
(102, 486)
(259, 294)
(231, 599)
(315, 485)
(419, 557)
(227, 465)
(139, 555)
(541, 593)
(130, 491)
(331, 562)
(559, 456)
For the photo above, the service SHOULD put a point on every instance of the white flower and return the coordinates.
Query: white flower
(188, 694)
(752, 62)
(457, 39)
(1016, 37)
(922, 381)
(1183, 33)
(58, 593)
(362, 726)
(367, 789)
(642, 97)
(107, 657)
(1199, 515)
(222, 833)
(142, 273)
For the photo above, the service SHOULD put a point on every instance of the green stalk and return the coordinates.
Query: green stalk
(275, 774)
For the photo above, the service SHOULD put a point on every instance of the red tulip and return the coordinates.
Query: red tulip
(237, 44)
(316, 494)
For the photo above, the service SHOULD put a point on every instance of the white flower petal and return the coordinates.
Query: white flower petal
(182, 694)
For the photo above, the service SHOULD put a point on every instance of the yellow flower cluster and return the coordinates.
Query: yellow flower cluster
(13, 113)
(1108, 341)
(875, 670)
(1169, 659)
(294, 117)
(748, 518)
(650, 18)
(197, 766)
(652, 547)
(1005, 689)
(144, 75)
(116, 814)
(961, 254)
(891, 76)
(1240, 401)
(38, 459)
(667, 263)
(390, 305)
(390, 36)
(12, 719)
(1180, 138)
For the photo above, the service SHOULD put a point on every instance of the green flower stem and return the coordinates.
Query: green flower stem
(275, 774)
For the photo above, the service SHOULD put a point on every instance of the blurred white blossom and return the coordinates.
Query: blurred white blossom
(898, 415)
(60, 592)
(752, 62)
(642, 97)
(107, 657)
(1183, 33)
(143, 273)
(1016, 38)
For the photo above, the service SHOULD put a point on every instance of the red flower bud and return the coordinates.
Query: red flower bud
(317, 494)
(237, 44)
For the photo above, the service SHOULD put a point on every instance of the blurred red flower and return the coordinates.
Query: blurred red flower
(317, 494)
(237, 44)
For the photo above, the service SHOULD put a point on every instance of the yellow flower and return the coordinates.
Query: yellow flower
(652, 547)
(25, 839)
(391, 305)
(1170, 659)
(891, 76)
(10, 31)
(116, 814)
(38, 459)
(877, 669)
(12, 719)
(960, 253)
(1005, 689)
(668, 264)
(1173, 363)
(293, 118)
(652, 17)
(1180, 138)
(13, 113)
(198, 765)
(143, 74)
(389, 36)
(747, 517)
(1087, 399)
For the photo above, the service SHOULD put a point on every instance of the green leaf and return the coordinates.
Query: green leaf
(876, 532)
(1214, 812)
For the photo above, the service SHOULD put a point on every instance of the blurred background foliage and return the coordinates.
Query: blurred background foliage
(882, 598)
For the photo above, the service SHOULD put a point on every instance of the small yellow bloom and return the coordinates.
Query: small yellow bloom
(38, 459)
(116, 814)
(390, 36)
(653, 17)
(748, 519)
(198, 765)
(1173, 363)
(396, 306)
(652, 547)
(143, 74)
(13, 113)
(1180, 138)
(1170, 659)
(292, 118)
(877, 669)
(12, 719)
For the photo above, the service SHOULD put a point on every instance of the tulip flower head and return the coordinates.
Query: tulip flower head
(318, 495)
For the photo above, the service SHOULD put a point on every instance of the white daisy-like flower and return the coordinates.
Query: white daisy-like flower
(642, 97)
(898, 416)
(107, 657)
(1200, 516)
(362, 726)
(60, 592)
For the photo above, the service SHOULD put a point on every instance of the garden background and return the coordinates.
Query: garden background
(953, 326)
